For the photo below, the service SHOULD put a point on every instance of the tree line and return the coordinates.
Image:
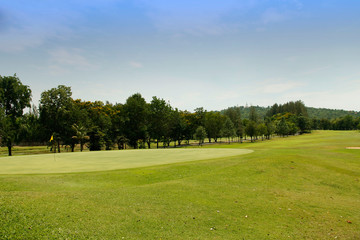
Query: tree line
(137, 123)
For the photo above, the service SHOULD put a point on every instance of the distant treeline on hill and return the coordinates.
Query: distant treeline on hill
(331, 114)
(319, 113)
(67, 122)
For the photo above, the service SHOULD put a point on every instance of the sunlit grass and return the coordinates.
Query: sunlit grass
(301, 187)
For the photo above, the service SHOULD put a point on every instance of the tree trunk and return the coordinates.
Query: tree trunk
(58, 146)
(81, 147)
(9, 148)
(157, 143)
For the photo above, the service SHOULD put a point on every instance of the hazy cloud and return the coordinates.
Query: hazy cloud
(189, 17)
(70, 57)
(135, 64)
(2, 20)
(22, 29)
(270, 87)
(272, 15)
(316, 70)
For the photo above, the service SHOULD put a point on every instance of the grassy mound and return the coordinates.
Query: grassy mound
(108, 160)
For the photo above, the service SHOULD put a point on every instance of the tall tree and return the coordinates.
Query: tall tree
(282, 127)
(200, 134)
(228, 129)
(213, 125)
(178, 126)
(159, 120)
(270, 127)
(81, 135)
(56, 114)
(136, 112)
(199, 116)
(253, 116)
(190, 124)
(14, 97)
(262, 129)
(234, 113)
(31, 128)
(251, 129)
(304, 124)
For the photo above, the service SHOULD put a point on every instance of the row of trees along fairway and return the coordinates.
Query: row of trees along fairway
(137, 123)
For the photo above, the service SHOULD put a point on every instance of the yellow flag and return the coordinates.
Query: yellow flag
(52, 138)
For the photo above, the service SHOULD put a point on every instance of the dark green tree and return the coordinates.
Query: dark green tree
(190, 124)
(136, 119)
(159, 120)
(200, 134)
(81, 135)
(14, 97)
(304, 124)
(177, 127)
(213, 125)
(234, 113)
(251, 130)
(31, 128)
(56, 114)
(262, 129)
(253, 116)
(228, 129)
(282, 128)
(270, 128)
(96, 139)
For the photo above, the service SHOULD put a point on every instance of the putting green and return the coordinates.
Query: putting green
(108, 160)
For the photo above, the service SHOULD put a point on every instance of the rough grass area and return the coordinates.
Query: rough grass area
(108, 160)
(303, 187)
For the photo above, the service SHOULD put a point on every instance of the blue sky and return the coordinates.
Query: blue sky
(204, 53)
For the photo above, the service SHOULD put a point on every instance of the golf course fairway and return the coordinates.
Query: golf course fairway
(108, 160)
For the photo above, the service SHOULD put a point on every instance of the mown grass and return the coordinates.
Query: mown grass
(303, 187)
(109, 160)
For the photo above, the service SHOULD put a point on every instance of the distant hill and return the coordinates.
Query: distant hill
(245, 111)
(330, 113)
(318, 113)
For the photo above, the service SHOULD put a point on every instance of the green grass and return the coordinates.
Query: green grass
(108, 160)
(303, 187)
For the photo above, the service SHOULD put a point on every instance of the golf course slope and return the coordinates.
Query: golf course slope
(296, 187)
(108, 160)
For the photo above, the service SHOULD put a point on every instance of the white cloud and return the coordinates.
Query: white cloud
(333, 99)
(70, 57)
(227, 95)
(299, 5)
(272, 15)
(279, 87)
(195, 18)
(316, 70)
(14, 40)
(23, 29)
(135, 64)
